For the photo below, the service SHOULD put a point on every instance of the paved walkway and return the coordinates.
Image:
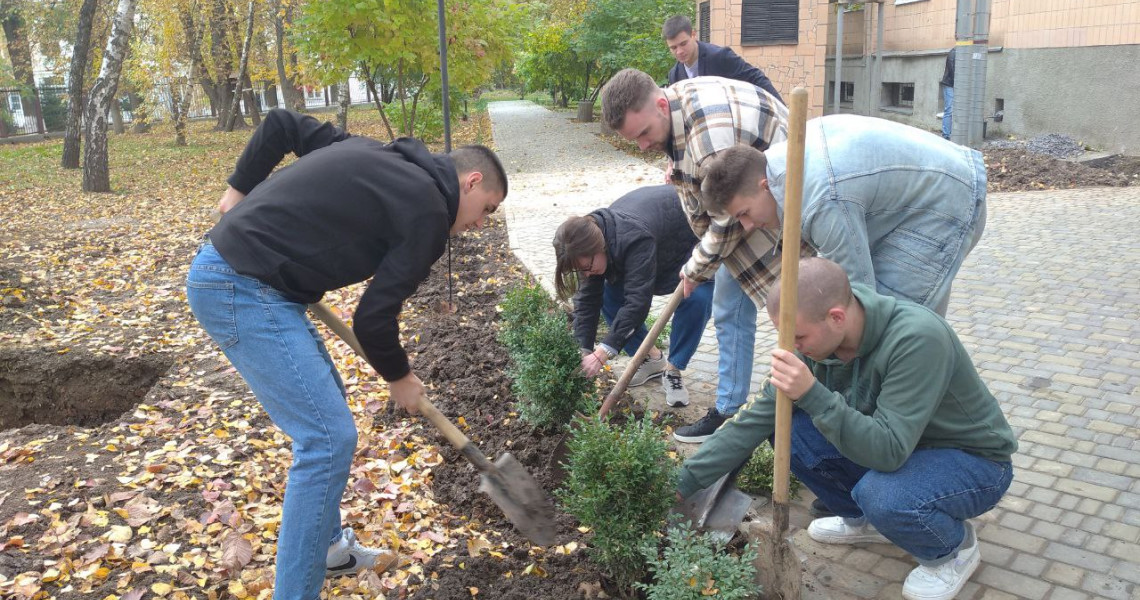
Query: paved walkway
(1048, 305)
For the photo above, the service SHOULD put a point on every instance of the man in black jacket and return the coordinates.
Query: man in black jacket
(618, 258)
(698, 59)
(348, 209)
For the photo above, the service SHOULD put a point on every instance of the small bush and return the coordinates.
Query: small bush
(520, 310)
(694, 566)
(621, 483)
(547, 375)
(756, 476)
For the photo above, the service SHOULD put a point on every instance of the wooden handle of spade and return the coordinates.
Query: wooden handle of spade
(789, 276)
(454, 436)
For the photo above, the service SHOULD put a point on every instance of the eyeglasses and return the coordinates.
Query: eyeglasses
(588, 268)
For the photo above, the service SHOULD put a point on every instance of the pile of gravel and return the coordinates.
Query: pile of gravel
(1056, 145)
(1003, 145)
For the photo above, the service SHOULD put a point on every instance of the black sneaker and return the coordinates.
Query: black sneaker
(820, 510)
(701, 430)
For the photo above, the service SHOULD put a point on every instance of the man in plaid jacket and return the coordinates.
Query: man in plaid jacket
(690, 121)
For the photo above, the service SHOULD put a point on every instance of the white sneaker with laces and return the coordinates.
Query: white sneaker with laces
(838, 530)
(347, 556)
(675, 393)
(947, 579)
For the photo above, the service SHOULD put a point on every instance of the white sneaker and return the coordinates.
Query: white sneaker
(649, 369)
(675, 393)
(347, 556)
(947, 579)
(836, 530)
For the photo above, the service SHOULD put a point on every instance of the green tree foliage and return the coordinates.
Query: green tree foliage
(756, 476)
(694, 566)
(339, 37)
(620, 483)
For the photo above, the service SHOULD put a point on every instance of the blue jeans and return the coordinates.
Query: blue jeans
(271, 342)
(735, 316)
(947, 109)
(687, 326)
(919, 507)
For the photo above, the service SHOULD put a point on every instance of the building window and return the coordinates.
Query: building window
(704, 28)
(898, 96)
(769, 22)
(15, 105)
(847, 92)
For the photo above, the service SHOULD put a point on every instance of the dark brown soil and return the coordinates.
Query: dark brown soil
(1016, 170)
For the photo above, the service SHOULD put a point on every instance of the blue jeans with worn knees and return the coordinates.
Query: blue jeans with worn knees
(947, 109)
(734, 314)
(277, 350)
(920, 507)
(689, 320)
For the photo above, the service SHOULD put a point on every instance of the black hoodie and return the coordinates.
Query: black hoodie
(648, 240)
(350, 208)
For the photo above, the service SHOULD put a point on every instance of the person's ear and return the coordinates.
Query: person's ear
(471, 179)
(662, 104)
(837, 315)
(763, 184)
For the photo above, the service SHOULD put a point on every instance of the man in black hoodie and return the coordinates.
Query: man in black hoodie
(348, 209)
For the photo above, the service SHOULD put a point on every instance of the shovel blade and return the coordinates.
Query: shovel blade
(522, 500)
(724, 519)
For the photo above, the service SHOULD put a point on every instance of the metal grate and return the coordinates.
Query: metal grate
(769, 22)
(704, 28)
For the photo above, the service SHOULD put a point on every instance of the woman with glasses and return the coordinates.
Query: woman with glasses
(613, 261)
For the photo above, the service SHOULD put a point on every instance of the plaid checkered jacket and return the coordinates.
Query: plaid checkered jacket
(710, 114)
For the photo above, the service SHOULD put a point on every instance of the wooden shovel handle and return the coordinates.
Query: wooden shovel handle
(789, 277)
(441, 422)
(643, 350)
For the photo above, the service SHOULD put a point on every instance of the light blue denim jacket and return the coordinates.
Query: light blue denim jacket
(897, 207)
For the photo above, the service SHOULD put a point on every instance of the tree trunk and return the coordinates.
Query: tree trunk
(117, 117)
(342, 106)
(235, 108)
(75, 83)
(177, 112)
(252, 105)
(282, 19)
(221, 23)
(376, 98)
(271, 95)
(20, 53)
(96, 173)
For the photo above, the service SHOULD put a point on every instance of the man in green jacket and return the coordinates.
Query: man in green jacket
(893, 428)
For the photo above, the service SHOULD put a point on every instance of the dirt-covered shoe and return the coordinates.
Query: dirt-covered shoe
(701, 430)
(649, 369)
(675, 393)
(838, 530)
(947, 579)
(347, 556)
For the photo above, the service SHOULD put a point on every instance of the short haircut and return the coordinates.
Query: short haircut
(576, 237)
(676, 25)
(822, 286)
(629, 90)
(736, 170)
(481, 159)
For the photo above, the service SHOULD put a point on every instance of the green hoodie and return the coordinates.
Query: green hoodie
(911, 385)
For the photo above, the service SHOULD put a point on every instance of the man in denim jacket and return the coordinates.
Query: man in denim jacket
(897, 207)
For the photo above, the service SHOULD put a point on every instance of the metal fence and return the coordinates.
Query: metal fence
(44, 109)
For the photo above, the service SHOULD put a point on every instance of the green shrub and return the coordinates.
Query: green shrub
(547, 375)
(54, 111)
(662, 339)
(694, 566)
(756, 476)
(621, 483)
(520, 310)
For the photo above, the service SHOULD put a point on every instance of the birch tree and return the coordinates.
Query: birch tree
(76, 75)
(96, 171)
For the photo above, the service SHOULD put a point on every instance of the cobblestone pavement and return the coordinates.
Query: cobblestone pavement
(1048, 305)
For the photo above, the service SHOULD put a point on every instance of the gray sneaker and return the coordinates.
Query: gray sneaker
(649, 369)
(675, 393)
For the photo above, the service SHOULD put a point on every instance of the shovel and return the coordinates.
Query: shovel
(506, 481)
(720, 508)
(558, 456)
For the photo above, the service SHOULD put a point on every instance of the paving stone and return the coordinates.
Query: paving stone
(1086, 490)
(853, 581)
(1012, 583)
(1106, 586)
(1060, 593)
(1028, 565)
(1063, 574)
(892, 569)
(1012, 539)
(1078, 557)
(994, 554)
